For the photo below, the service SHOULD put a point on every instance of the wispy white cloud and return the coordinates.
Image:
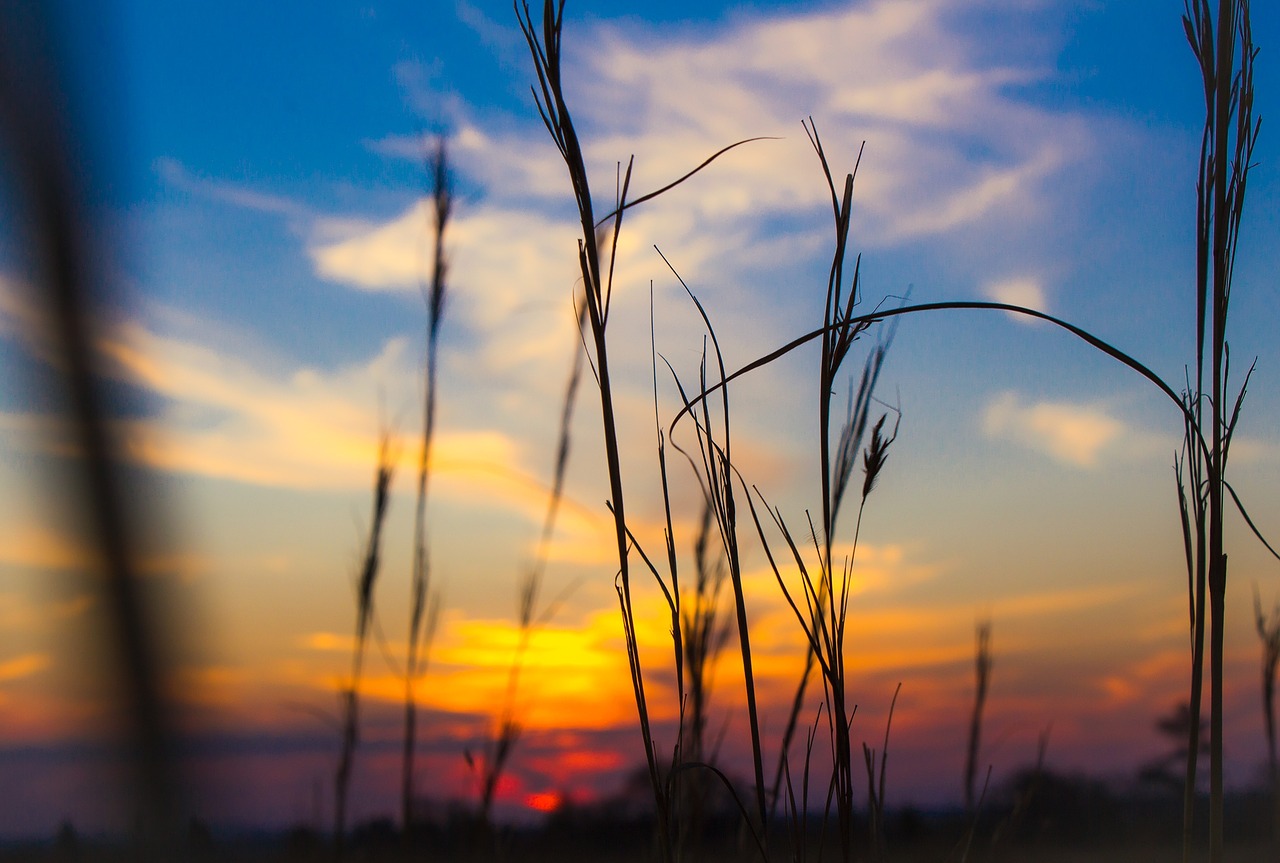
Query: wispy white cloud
(492, 33)
(1019, 291)
(949, 146)
(382, 257)
(1075, 434)
(890, 73)
(946, 142)
(268, 421)
(178, 176)
(300, 427)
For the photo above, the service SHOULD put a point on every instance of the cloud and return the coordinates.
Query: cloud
(178, 176)
(946, 143)
(949, 145)
(1018, 292)
(391, 256)
(570, 677)
(23, 320)
(30, 612)
(491, 33)
(23, 666)
(1071, 433)
(32, 545)
(495, 253)
(1021, 291)
(299, 428)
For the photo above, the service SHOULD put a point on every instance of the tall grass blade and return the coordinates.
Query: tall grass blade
(434, 296)
(350, 696)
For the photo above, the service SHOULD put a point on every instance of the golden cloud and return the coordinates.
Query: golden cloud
(27, 665)
(34, 545)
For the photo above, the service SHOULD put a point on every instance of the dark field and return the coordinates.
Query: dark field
(1073, 819)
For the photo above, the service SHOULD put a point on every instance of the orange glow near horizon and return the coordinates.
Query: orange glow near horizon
(576, 708)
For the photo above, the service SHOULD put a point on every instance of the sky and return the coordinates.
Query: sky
(256, 176)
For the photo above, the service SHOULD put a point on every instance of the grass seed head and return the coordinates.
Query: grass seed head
(876, 454)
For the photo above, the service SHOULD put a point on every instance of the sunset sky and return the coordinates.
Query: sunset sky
(259, 183)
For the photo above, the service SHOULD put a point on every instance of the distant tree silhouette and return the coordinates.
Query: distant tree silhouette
(1166, 771)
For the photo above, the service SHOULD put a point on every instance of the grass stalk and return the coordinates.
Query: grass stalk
(704, 635)
(47, 201)
(824, 626)
(876, 784)
(502, 743)
(1225, 54)
(714, 469)
(1193, 509)
(544, 46)
(1268, 627)
(544, 43)
(839, 333)
(509, 728)
(982, 678)
(718, 469)
(350, 695)
(421, 610)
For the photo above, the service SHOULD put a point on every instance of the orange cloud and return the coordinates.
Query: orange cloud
(27, 665)
(36, 546)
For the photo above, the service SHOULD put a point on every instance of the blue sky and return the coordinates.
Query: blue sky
(260, 168)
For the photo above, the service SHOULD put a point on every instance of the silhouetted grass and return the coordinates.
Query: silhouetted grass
(982, 679)
(350, 694)
(1225, 54)
(825, 597)
(423, 609)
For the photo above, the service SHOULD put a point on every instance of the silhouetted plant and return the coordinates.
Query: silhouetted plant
(500, 744)
(1269, 631)
(840, 332)
(423, 606)
(826, 600)
(597, 275)
(350, 694)
(876, 772)
(1225, 53)
(705, 632)
(982, 679)
(1226, 56)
